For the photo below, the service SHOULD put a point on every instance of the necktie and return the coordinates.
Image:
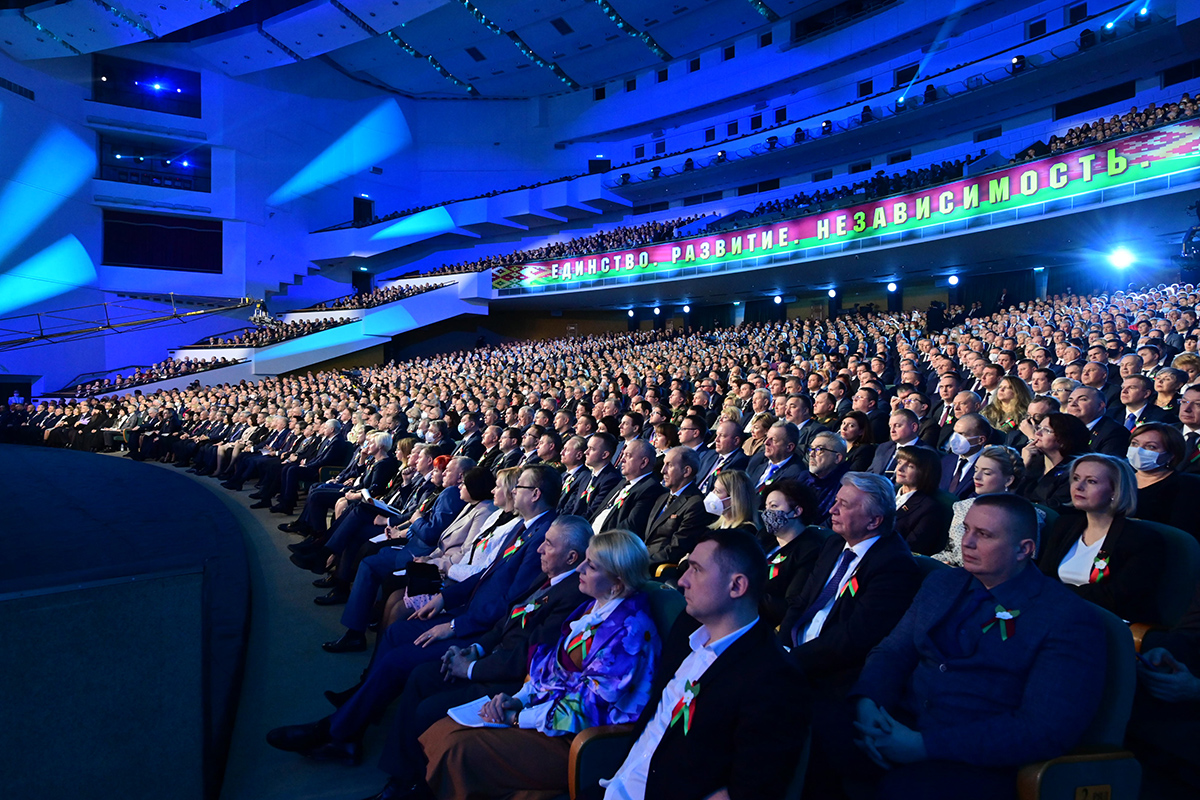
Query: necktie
(945, 415)
(712, 475)
(1130, 422)
(831, 586)
(958, 473)
(767, 475)
(1192, 440)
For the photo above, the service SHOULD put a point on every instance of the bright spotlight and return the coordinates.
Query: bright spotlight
(687, 309)
(778, 299)
(954, 280)
(833, 292)
(630, 312)
(737, 302)
(1143, 11)
(157, 87)
(657, 311)
(367, 196)
(185, 163)
(1121, 258)
(891, 287)
(1108, 26)
(118, 156)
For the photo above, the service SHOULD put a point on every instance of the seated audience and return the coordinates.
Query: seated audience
(1057, 441)
(598, 673)
(1164, 494)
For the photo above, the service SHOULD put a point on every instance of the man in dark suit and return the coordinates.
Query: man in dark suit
(745, 711)
(1189, 426)
(629, 504)
(778, 460)
(902, 430)
(510, 449)
(495, 663)
(971, 435)
(331, 452)
(456, 616)
(863, 581)
(604, 476)
(491, 448)
(985, 655)
(1107, 435)
(728, 446)
(471, 445)
(576, 475)
(1137, 403)
(693, 431)
(678, 518)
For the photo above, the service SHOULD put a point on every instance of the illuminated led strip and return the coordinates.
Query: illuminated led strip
(765, 10)
(128, 20)
(48, 33)
(646, 38)
(528, 51)
(445, 73)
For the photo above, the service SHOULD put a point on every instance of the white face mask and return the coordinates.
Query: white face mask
(959, 444)
(1144, 460)
(713, 504)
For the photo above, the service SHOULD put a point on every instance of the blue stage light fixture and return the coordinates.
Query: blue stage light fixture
(891, 287)
(630, 312)
(833, 293)
(186, 164)
(1121, 258)
(687, 309)
(953, 280)
(657, 311)
(778, 299)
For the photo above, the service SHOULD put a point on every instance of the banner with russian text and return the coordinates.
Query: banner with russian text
(1153, 154)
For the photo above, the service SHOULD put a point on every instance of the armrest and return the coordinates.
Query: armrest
(658, 572)
(596, 753)
(1060, 778)
(1139, 631)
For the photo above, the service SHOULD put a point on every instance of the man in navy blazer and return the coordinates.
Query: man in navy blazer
(629, 504)
(778, 460)
(995, 665)
(728, 446)
(332, 451)
(456, 616)
(903, 427)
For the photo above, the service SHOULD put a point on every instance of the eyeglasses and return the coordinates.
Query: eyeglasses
(1044, 429)
(519, 486)
(812, 451)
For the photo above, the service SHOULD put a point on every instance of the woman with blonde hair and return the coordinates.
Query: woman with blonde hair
(1097, 550)
(732, 501)
(1008, 407)
(997, 470)
(759, 426)
(598, 673)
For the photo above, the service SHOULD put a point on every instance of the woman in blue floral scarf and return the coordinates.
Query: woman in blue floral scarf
(598, 673)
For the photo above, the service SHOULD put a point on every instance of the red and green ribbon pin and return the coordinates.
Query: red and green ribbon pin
(1099, 568)
(512, 548)
(775, 562)
(522, 612)
(583, 640)
(685, 708)
(1004, 619)
(851, 587)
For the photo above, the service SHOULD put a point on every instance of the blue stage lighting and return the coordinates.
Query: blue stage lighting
(891, 287)
(157, 87)
(657, 311)
(118, 156)
(630, 312)
(54, 169)
(687, 309)
(953, 280)
(833, 293)
(186, 164)
(371, 140)
(419, 226)
(60, 268)
(1121, 258)
(778, 299)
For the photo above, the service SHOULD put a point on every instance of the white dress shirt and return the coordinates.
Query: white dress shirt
(860, 551)
(1076, 567)
(630, 781)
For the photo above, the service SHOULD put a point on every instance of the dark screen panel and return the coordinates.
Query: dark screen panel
(160, 241)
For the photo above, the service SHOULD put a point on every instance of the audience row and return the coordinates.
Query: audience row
(274, 332)
(376, 297)
(789, 478)
(168, 368)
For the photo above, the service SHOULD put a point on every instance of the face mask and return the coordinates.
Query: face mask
(1144, 460)
(429, 437)
(959, 444)
(462, 428)
(713, 504)
(775, 521)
